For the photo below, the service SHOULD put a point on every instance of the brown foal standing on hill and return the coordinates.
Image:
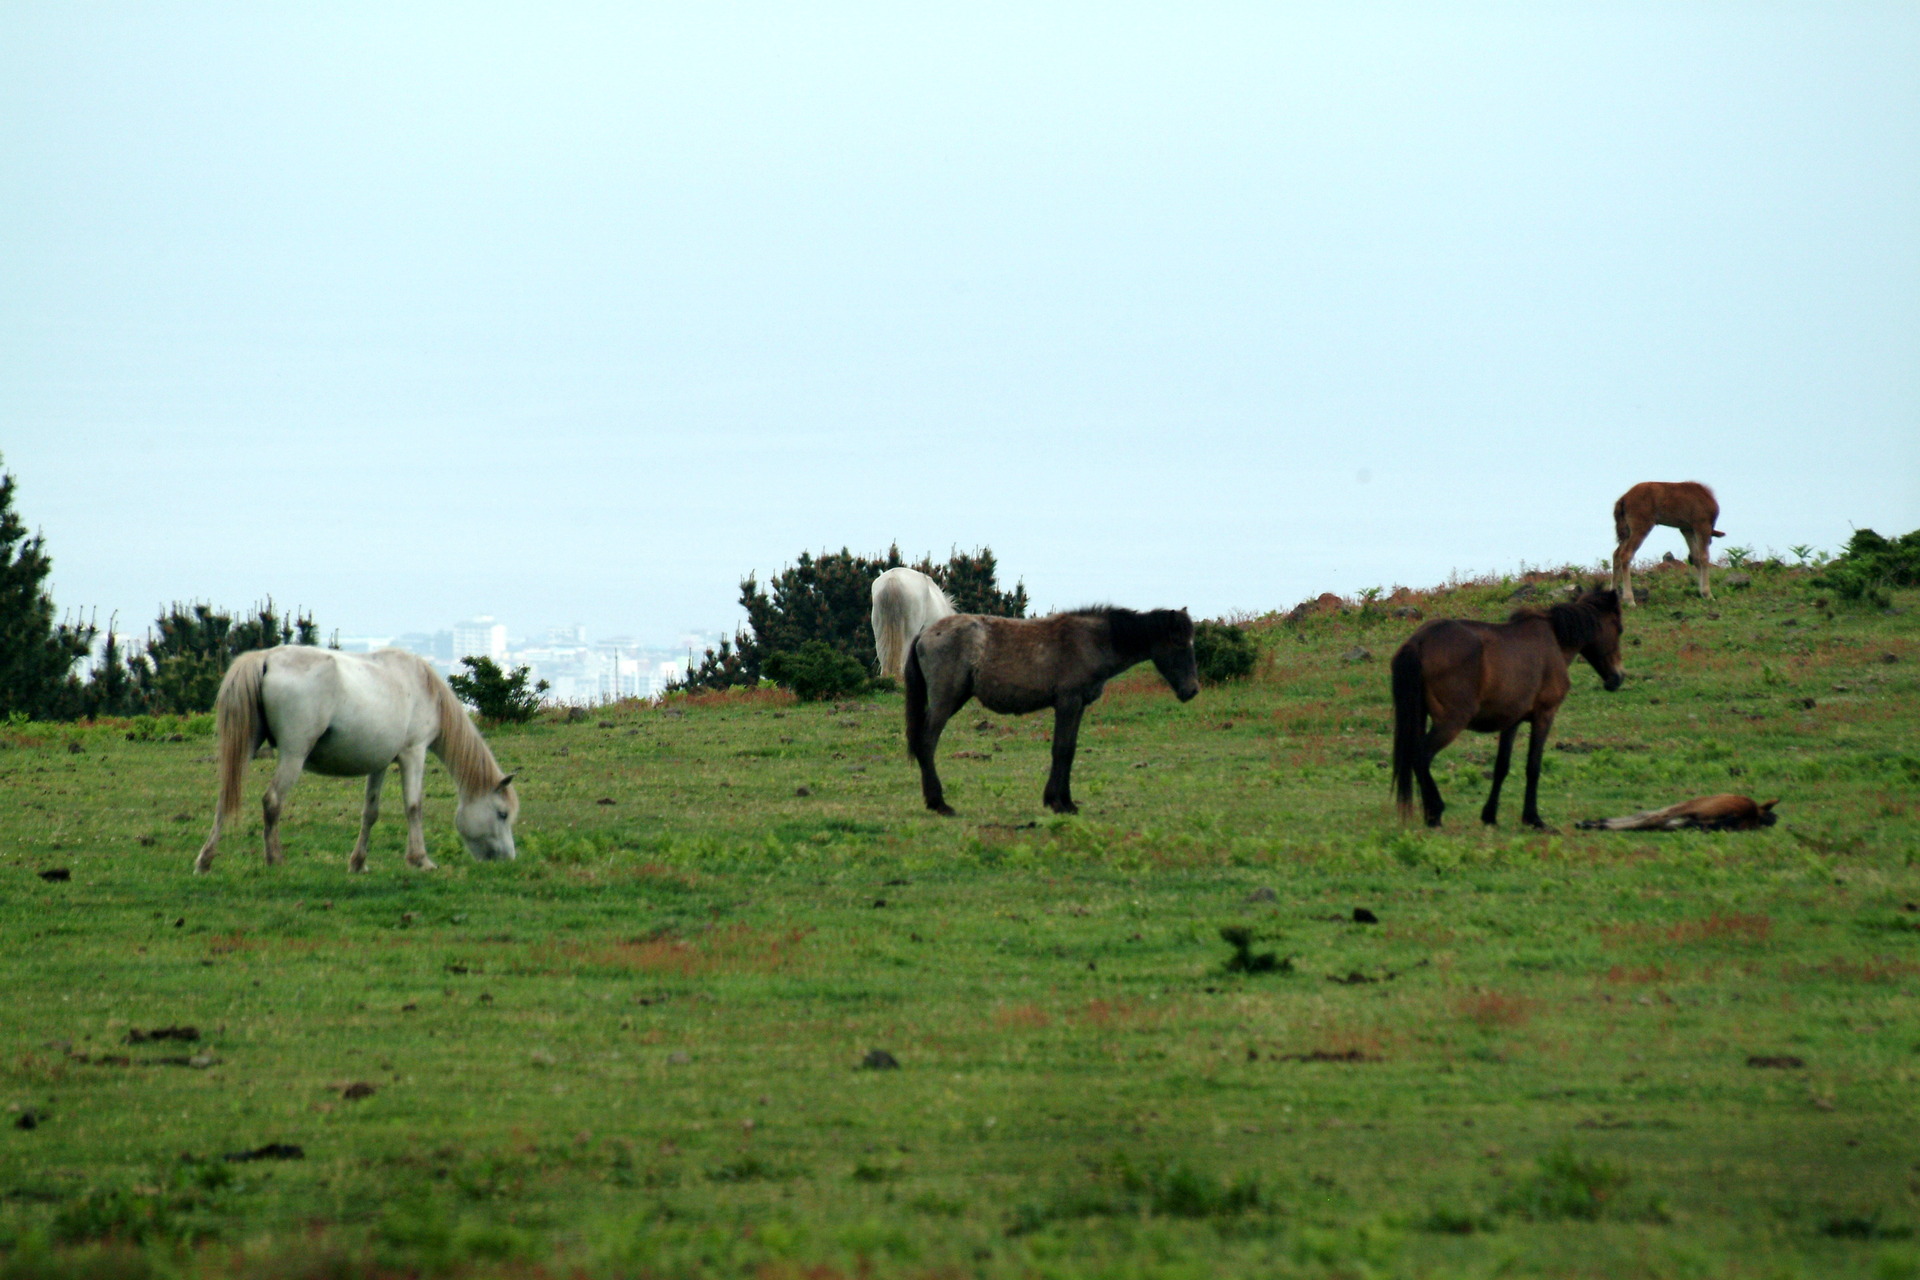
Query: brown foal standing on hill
(1492, 677)
(1685, 505)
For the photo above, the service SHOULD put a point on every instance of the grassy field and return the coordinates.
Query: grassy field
(639, 1049)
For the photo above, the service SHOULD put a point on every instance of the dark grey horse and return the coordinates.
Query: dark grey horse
(1017, 665)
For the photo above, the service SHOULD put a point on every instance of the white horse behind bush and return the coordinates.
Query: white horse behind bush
(352, 715)
(904, 602)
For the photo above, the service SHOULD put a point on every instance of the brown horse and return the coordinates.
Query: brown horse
(1708, 813)
(1685, 505)
(1017, 665)
(1489, 677)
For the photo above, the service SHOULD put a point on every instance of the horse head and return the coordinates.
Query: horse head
(1173, 653)
(485, 821)
(1602, 652)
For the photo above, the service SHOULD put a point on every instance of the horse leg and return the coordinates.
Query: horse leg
(1442, 732)
(413, 777)
(1502, 761)
(1623, 563)
(205, 861)
(1066, 737)
(285, 774)
(1536, 747)
(369, 813)
(1700, 549)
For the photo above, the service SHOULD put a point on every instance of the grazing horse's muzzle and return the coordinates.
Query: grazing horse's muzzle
(1187, 694)
(1612, 681)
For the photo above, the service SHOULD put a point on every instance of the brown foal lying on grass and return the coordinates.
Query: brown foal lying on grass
(1708, 813)
(1491, 678)
(1017, 665)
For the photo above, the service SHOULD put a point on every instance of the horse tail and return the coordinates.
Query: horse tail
(1409, 722)
(890, 634)
(240, 725)
(1620, 529)
(916, 699)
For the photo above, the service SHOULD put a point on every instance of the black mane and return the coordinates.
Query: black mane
(1137, 632)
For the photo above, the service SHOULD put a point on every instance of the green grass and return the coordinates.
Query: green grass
(638, 1049)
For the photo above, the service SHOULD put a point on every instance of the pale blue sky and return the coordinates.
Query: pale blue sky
(579, 313)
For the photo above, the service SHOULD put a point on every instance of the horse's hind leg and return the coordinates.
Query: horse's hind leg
(413, 779)
(1502, 761)
(930, 789)
(285, 774)
(204, 861)
(1066, 737)
(1623, 563)
(1431, 806)
(369, 814)
(1700, 551)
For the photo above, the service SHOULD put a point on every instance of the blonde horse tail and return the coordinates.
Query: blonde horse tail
(1620, 527)
(890, 637)
(240, 725)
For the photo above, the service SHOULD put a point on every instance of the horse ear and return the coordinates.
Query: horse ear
(504, 784)
(1768, 806)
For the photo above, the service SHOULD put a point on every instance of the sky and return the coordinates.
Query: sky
(578, 313)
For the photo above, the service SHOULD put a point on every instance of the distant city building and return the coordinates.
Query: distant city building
(479, 637)
(363, 644)
(437, 645)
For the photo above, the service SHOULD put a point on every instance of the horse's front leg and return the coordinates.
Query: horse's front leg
(1066, 736)
(1502, 761)
(1536, 748)
(413, 775)
(285, 774)
(369, 814)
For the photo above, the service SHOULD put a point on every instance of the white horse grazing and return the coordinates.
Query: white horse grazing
(348, 715)
(904, 602)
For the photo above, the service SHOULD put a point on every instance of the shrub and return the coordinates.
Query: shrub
(1871, 565)
(817, 671)
(1223, 652)
(829, 598)
(501, 697)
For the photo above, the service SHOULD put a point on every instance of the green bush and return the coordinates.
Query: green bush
(817, 671)
(1871, 565)
(501, 697)
(1223, 652)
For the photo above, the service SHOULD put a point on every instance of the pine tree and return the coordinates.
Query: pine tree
(829, 598)
(181, 670)
(37, 655)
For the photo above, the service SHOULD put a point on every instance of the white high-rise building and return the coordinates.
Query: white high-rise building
(479, 637)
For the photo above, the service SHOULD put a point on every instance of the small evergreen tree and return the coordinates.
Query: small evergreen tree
(37, 655)
(110, 690)
(181, 669)
(817, 671)
(1222, 652)
(829, 598)
(501, 697)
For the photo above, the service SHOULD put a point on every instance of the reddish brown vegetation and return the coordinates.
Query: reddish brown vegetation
(1754, 930)
(1490, 1009)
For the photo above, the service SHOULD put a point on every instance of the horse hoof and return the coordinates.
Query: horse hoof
(945, 811)
(425, 864)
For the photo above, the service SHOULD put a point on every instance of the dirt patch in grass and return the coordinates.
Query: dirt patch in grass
(735, 949)
(1497, 1009)
(1720, 927)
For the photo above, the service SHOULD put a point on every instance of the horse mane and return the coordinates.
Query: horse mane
(1137, 632)
(1575, 625)
(460, 746)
